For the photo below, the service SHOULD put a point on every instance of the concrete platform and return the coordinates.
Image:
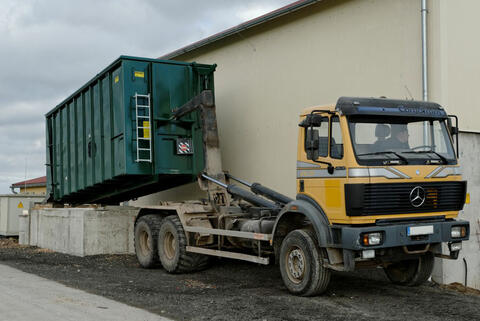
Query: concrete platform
(25, 296)
(80, 231)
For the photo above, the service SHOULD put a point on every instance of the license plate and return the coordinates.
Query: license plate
(419, 230)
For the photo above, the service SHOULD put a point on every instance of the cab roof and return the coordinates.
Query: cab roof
(383, 107)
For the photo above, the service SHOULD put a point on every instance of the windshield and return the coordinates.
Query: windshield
(388, 140)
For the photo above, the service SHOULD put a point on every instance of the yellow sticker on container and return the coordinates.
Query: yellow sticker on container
(146, 129)
(20, 205)
(139, 74)
(116, 79)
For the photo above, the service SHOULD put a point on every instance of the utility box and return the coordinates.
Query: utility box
(114, 139)
(11, 206)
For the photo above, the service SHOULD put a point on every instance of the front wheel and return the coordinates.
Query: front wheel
(411, 272)
(301, 264)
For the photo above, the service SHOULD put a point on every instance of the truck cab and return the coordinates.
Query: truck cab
(384, 178)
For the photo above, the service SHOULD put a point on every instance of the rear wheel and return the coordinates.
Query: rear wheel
(146, 236)
(411, 272)
(172, 248)
(301, 264)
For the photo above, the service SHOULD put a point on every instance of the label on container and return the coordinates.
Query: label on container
(184, 146)
(139, 74)
(146, 129)
(20, 205)
(116, 79)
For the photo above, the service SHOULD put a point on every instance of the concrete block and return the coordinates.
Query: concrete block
(24, 228)
(33, 215)
(450, 271)
(83, 231)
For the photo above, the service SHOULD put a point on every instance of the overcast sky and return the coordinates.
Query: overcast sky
(50, 48)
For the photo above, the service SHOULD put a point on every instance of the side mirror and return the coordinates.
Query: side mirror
(311, 143)
(453, 131)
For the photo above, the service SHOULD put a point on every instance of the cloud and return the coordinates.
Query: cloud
(50, 48)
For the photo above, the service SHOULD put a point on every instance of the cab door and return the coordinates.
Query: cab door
(321, 171)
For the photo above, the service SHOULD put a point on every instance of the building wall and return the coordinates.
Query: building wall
(449, 271)
(454, 78)
(266, 76)
(39, 190)
(454, 52)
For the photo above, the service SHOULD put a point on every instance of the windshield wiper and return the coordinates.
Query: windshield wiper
(444, 160)
(386, 152)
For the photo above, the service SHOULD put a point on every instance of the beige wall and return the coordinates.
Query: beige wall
(40, 190)
(266, 76)
(454, 52)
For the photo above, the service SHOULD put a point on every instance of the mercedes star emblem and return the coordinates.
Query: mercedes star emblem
(417, 196)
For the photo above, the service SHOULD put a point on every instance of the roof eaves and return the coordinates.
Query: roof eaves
(31, 182)
(28, 185)
(241, 27)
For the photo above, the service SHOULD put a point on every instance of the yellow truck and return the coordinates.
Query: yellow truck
(378, 184)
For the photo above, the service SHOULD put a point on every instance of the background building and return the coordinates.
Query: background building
(310, 53)
(35, 186)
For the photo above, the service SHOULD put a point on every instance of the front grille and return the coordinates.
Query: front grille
(394, 198)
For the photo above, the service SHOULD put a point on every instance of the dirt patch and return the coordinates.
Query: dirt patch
(39, 250)
(234, 290)
(9, 243)
(461, 288)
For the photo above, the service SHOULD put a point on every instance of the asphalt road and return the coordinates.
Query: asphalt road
(235, 290)
(25, 297)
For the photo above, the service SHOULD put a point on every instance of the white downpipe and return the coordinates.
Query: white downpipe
(424, 50)
(424, 66)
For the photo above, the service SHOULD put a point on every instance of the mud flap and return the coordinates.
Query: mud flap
(348, 260)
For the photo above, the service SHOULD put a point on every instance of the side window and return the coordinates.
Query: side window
(318, 137)
(336, 141)
(441, 143)
(323, 138)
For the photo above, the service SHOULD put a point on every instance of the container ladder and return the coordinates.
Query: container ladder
(142, 112)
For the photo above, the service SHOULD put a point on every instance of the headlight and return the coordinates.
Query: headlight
(458, 231)
(372, 238)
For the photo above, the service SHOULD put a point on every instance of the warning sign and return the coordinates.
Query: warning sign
(20, 205)
(184, 146)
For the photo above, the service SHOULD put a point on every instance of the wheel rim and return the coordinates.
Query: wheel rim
(145, 243)
(295, 264)
(169, 245)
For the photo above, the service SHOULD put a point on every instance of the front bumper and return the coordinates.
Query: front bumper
(395, 235)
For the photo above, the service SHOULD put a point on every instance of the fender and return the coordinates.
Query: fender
(307, 207)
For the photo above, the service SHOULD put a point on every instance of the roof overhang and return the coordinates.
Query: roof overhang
(241, 27)
(29, 185)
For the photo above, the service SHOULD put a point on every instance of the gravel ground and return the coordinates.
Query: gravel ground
(235, 290)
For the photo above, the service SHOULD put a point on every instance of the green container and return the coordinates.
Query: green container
(113, 139)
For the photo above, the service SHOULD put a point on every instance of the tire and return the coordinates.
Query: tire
(172, 249)
(411, 272)
(146, 240)
(310, 277)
